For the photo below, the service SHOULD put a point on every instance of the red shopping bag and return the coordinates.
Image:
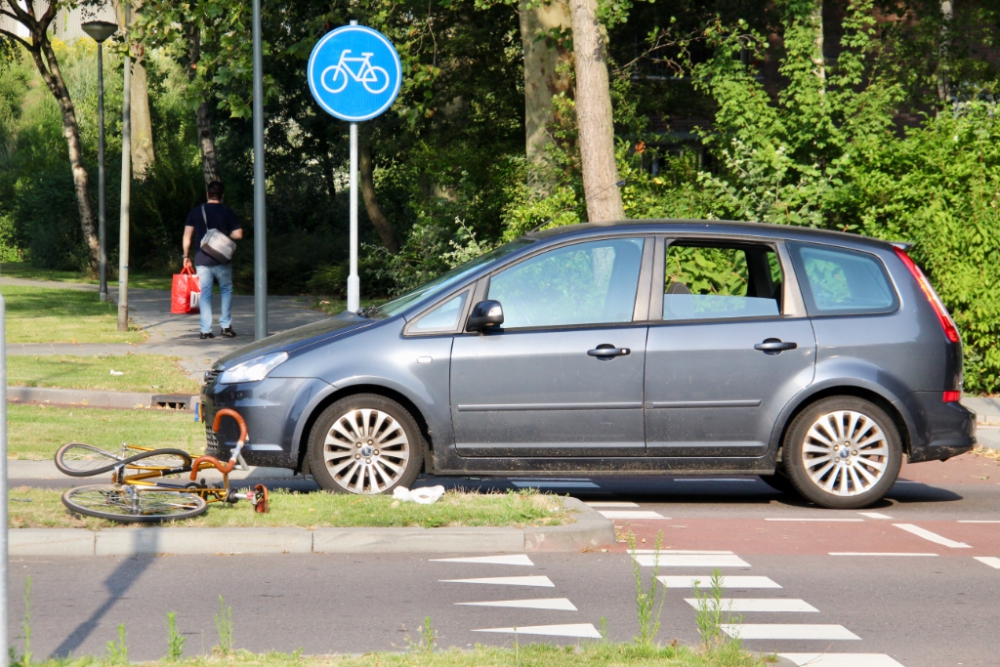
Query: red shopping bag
(184, 293)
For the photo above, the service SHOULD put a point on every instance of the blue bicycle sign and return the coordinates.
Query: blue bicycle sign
(354, 73)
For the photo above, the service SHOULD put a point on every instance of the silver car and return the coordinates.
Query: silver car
(814, 359)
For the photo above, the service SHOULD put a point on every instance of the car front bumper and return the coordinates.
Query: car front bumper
(272, 410)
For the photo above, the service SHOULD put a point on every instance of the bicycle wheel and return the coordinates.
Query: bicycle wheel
(129, 504)
(79, 460)
(159, 459)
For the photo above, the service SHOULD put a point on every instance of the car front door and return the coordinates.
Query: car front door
(729, 344)
(563, 376)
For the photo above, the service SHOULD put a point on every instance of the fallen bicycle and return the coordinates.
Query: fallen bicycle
(134, 497)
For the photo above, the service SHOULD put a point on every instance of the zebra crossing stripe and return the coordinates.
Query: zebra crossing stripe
(690, 560)
(580, 630)
(841, 659)
(931, 537)
(989, 560)
(728, 582)
(510, 559)
(747, 605)
(631, 514)
(787, 631)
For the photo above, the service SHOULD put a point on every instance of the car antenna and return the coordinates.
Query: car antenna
(619, 184)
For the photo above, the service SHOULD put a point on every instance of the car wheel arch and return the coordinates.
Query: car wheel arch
(306, 425)
(801, 402)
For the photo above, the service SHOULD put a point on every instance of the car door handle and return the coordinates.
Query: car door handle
(606, 351)
(774, 346)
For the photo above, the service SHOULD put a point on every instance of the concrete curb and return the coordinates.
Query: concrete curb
(987, 409)
(25, 470)
(89, 398)
(590, 531)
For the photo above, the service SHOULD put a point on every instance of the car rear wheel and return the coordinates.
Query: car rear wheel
(843, 452)
(365, 444)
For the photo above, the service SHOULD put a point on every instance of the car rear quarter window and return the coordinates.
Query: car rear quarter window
(838, 281)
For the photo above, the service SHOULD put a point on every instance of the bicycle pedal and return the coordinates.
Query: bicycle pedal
(261, 503)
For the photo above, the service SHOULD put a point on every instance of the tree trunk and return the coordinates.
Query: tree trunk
(48, 67)
(206, 138)
(142, 123)
(944, 52)
(382, 226)
(593, 116)
(818, 59)
(543, 79)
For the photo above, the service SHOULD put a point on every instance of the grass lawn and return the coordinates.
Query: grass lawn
(142, 372)
(143, 279)
(48, 315)
(35, 432)
(32, 507)
(588, 653)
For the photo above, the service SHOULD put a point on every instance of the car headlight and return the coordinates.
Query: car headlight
(253, 370)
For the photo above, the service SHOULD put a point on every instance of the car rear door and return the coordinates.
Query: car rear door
(729, 344)
(563, 377)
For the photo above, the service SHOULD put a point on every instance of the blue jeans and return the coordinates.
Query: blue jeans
(208, 276)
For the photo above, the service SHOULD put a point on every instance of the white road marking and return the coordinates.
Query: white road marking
(542, 581)
(511, 559)
(875, 515)
(728, 582)
(931, 537)
(583, 630)
(841, 659)
(691, 560)
(979, 521)
(631, 514)
(789, 518)
(555, 604)
(555, 485)
(715, 479)
(610, 503)
(742, 605)
(875, 553)
(787, 631)
(680, 551)
(989, 560)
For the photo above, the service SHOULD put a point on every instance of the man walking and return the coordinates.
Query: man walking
(212, 215)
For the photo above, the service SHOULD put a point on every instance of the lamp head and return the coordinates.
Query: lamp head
(99, 30)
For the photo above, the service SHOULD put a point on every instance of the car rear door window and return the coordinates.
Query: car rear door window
(716, 281)
(582, 283)
(838, 281)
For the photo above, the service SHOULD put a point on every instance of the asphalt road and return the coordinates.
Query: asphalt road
(923, 601)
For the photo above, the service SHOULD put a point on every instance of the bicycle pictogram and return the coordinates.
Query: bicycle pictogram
(367, 75)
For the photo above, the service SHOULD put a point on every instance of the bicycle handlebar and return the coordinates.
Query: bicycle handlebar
(211, 461)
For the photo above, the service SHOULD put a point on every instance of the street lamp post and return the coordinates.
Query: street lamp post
(100, 31)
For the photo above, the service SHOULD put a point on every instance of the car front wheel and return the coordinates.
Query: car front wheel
(365, 444)
(843, 452)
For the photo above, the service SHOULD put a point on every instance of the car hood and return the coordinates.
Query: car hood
(295, 339)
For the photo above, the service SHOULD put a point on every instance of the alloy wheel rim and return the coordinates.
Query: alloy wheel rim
(845, 453)
(366, 451)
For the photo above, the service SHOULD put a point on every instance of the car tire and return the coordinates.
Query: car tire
(365, 444)
(843, 452)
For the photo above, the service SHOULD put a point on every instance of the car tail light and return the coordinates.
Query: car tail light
(952, 396)
(947, 324)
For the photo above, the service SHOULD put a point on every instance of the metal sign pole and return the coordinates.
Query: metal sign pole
(101, 215)
(4, 593)
(259, 209)
(353, 281)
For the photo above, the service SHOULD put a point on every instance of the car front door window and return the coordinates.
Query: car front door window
(579, 284)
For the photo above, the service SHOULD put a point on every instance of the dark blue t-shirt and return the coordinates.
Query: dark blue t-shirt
(219, 217)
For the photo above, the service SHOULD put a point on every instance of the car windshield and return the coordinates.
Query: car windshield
(442, 283)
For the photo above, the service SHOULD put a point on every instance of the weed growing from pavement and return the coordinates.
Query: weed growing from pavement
(716, 642)
(117, 649)
(645, 601)
(427, 636)
(175, 641)
(224, 625)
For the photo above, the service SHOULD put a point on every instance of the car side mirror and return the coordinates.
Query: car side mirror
(485, 315)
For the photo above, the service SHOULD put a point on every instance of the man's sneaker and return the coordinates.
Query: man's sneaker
(207, 335)
(228, 332)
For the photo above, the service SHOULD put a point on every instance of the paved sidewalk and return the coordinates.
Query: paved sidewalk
(175, 335)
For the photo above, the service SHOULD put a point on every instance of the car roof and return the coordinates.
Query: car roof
(758, 229)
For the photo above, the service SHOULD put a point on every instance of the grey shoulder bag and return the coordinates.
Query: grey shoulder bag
(215, 244)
